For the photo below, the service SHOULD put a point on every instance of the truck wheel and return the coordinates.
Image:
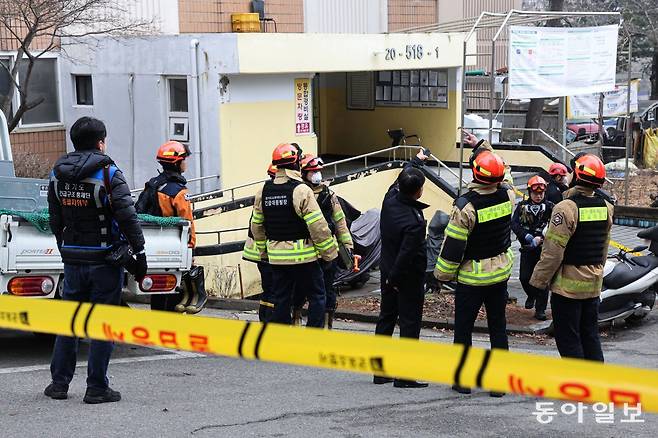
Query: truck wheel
(166, 303)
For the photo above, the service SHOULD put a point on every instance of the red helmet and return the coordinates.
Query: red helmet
(488, 168)
(537, 184)
(310, 163)
(172, 152)
(558, 169)
(271, 170)
(285, 153)
(589, 168)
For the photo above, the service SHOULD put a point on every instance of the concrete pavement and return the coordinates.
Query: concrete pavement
(171, 394)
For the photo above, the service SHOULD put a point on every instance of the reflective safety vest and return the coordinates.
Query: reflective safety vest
(587, 244)
(478, 277)
(280, 218)
(493, 224)
(89, 230)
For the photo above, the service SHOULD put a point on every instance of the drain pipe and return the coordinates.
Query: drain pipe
(131, 98)
(196, 104)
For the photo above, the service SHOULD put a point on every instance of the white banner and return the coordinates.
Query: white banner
(561, 61)
(586, 106)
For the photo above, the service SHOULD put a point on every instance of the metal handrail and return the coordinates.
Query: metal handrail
(389, 149)
(335, 164)
(547, 135)
(201, 178)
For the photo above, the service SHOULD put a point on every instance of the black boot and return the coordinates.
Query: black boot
(401, 383)
(461, 389)
(540, 315)
(380, 380)
(95, 396)
(57, 391)
(530, 303)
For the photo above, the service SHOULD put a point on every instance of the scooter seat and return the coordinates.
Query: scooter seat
(623, 274)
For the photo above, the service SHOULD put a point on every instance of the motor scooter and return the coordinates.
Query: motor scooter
(630, 282)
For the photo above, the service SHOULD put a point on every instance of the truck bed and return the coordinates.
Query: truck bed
(26, 250)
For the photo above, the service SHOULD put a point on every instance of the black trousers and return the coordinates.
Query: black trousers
(404, 306)
(307, 277)
(576, 327)
(468, 300)
(529, 259)
(266, 306)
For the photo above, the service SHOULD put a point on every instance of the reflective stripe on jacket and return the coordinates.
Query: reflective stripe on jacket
(320, 245)
(571, 281)
(451, 264)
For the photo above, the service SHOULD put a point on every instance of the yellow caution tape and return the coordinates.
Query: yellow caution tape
(494, 370)
(624, 248)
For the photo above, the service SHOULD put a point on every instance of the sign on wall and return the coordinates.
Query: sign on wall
(560, 61)
(303, 117)
(614, 103)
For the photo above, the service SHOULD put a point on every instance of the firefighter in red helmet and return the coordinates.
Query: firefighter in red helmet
(572, 260)
(476, 251)
(291, 232)
(529, 223)
(557, 184)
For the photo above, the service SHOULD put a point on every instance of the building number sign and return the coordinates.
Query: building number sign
(410, 52)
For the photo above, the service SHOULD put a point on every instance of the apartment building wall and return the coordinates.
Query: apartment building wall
(200, 16)
(35, 148)
(403, 14)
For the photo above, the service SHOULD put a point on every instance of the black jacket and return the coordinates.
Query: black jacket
(554, 191)
(78, 165)
(414, 162)
(403, 239)
(531, 218)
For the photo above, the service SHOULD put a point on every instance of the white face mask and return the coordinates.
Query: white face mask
(316, 178)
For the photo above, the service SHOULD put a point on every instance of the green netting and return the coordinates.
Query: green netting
(40, 219)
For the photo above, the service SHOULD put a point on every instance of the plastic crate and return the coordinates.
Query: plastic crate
(248, 22)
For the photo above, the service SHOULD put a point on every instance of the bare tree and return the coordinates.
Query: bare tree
(46, 24)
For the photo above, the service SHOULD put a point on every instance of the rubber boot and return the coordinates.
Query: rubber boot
(297, 317)
(185, 297)
(198, 291)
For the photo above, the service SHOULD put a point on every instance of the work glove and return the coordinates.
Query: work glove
(140, 267)
(529, 238)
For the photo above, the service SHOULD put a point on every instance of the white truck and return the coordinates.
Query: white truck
(30, 264)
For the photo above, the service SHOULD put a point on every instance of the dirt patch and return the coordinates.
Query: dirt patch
(441, 306)
(640, 188)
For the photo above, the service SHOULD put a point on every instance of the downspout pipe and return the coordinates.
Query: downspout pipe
(196, 114)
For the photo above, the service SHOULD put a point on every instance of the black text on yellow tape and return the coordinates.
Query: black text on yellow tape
(495, 370)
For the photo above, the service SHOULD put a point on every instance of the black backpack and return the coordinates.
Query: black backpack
(148, 203)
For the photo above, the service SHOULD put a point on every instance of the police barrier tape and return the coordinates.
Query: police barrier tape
(494, 370)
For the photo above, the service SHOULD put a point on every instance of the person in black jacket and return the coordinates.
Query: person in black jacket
(530, 219)
(403, 261)
(91, 213)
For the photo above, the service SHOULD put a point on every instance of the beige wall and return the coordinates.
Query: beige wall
(249, 131)
(215, 15)
(355, 132)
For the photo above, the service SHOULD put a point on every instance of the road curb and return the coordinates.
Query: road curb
(370, 317)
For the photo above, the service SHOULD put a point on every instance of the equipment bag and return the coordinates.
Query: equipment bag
(148, 202)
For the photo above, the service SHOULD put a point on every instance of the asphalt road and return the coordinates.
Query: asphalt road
(169, 393)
